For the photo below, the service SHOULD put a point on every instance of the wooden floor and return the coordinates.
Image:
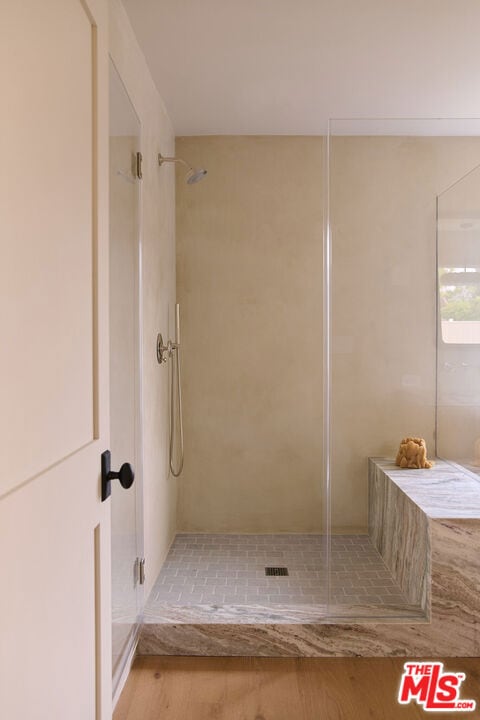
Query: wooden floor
(188, 688)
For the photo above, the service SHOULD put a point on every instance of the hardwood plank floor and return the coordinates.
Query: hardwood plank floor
(193, 688)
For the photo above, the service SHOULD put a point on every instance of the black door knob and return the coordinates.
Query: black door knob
(125, 475)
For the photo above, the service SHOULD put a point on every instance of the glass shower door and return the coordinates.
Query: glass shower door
(458, 336)
(385, 207)
(124, 371)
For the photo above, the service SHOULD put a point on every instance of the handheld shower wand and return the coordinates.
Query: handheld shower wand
(172, 350)
(176, 472)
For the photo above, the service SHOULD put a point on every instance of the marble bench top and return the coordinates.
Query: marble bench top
(443, 492)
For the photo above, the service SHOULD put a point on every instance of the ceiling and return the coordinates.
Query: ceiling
(285, 66)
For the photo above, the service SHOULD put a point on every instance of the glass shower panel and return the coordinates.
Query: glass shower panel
(124, 369)
(458, 372)
(383, 178)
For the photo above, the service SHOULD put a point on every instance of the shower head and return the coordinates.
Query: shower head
(193, 175)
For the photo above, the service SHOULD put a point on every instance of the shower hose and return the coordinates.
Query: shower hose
(178, 385)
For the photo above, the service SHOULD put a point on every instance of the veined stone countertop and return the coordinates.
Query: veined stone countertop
(443, 492)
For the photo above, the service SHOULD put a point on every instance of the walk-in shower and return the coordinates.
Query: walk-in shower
(335, 333)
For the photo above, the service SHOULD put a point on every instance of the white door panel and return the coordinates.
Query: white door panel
(48, 662)
(46, 194)
(54, 424)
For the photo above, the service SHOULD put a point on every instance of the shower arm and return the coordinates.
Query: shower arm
(193, 174)
(162, 160)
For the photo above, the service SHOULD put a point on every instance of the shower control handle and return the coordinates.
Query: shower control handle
(162, 350)
(165, 351)
(125, 475)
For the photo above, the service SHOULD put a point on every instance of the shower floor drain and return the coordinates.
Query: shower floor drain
(276, 571)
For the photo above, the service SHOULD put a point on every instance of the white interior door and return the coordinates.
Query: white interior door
(54, 530)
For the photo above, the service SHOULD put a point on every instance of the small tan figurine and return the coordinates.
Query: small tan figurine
(412, 454)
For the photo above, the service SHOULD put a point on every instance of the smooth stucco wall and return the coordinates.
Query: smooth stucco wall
(158, 292)
(249, 276)
(249, 270)
(383, 192)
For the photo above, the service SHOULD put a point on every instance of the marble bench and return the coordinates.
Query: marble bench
(407, 508)
(426, 526)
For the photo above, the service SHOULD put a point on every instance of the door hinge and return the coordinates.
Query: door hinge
(141, 570)
(139, 165)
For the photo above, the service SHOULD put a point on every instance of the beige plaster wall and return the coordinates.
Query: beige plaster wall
(383, 194)
(158, 293)
(249, 266)
(249, 277)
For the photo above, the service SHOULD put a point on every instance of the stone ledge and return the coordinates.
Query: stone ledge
(443, 493)
(449, 628)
